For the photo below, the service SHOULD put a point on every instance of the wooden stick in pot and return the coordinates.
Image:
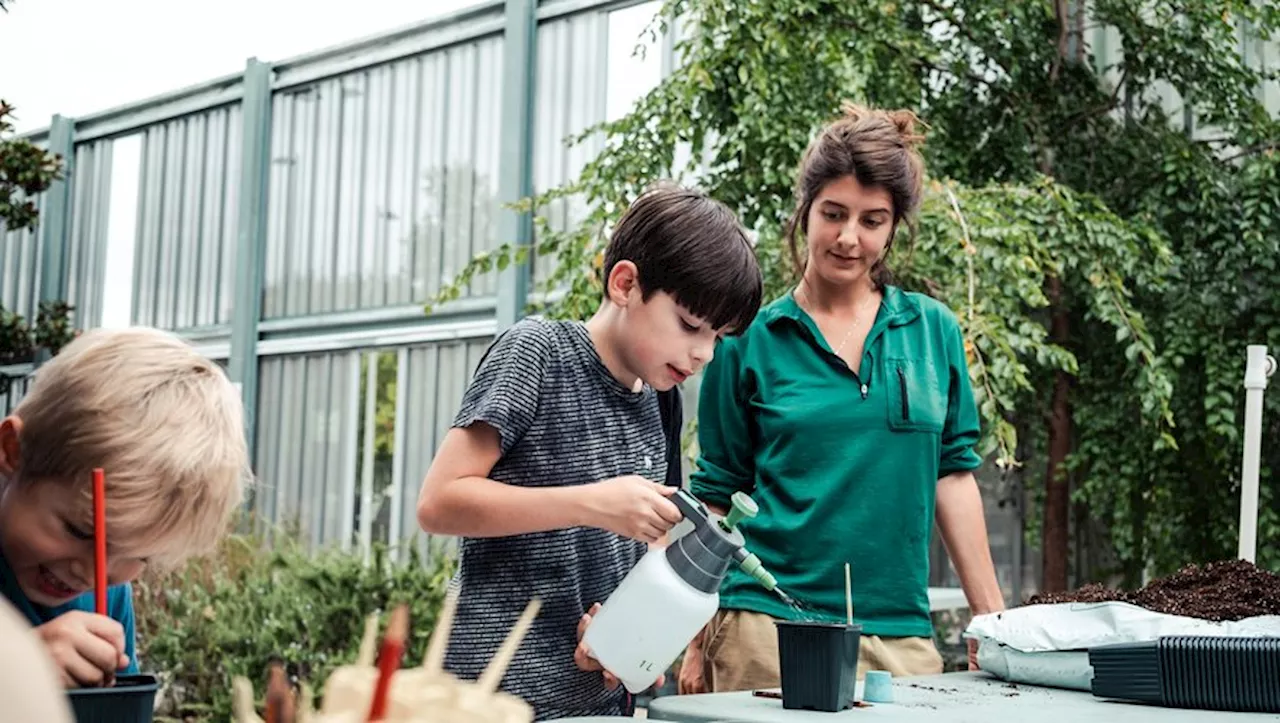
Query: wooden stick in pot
(433, 661)
(498, 664)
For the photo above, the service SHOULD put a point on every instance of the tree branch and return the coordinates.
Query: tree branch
(973, 77)
(1112, 103)
(951, 18)
(1059, 10)
(1261, 147)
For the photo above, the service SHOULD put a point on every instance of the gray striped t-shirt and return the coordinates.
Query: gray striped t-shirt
(563, 419)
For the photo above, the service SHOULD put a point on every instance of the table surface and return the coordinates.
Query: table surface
(953, 697)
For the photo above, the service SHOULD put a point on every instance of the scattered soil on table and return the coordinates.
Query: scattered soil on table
(935, 690)
(1218, 591)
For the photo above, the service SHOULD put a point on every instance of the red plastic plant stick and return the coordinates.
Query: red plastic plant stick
(100, 541)
(389, 660)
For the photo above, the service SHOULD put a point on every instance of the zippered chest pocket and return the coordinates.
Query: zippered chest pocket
(915, 399)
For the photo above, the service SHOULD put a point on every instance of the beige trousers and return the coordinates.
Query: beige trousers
(740, 650)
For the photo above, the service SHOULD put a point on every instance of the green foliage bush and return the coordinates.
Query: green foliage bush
(1109, 247)
(231, 613)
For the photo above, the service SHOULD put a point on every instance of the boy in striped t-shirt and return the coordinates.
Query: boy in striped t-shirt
(553, 473)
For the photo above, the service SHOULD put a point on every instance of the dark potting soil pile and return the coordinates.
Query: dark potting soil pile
(1226, 590)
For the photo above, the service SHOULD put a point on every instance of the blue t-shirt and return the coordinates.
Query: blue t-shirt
(119, 608)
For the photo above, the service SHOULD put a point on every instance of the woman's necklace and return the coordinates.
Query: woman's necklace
(857, 316)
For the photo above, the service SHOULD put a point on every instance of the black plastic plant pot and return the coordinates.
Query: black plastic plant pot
(131, 700)
(1205, 672)
(819, 664)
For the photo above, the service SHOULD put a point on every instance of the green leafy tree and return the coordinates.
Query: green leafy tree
(1107, 262)
(26, 170)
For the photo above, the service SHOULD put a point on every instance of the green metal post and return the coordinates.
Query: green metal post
(251, 239)
(55, 217)
(515, 150)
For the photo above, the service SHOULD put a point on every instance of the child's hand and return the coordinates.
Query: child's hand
(582, 656)
(87, 648)
(583, 659)
(632, 506)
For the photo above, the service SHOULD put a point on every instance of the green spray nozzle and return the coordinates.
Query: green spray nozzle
(741, 507)
(702, 557)
(751, 565)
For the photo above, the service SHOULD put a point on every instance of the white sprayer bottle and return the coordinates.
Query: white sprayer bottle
(671, 593)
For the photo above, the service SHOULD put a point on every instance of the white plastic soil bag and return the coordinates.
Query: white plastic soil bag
(1048, 644)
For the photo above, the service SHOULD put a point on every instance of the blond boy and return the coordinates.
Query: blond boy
(166, 426)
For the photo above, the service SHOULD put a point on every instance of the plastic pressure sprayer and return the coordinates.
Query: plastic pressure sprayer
(672, 593)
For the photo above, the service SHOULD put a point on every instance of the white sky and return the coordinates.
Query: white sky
(77, 57)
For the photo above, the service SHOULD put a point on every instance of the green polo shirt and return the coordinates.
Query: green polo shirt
(843, 466)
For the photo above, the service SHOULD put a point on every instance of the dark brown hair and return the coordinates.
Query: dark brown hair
(877, 147)
(693, 247)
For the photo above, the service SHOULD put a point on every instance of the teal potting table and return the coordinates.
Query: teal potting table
(953, 697)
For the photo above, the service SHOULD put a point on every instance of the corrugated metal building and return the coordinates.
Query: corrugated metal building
(292, 219)
(376, 170)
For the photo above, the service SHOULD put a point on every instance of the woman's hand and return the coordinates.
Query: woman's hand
(964, 533)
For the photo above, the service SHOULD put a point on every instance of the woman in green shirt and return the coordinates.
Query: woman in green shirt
(846, 411)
